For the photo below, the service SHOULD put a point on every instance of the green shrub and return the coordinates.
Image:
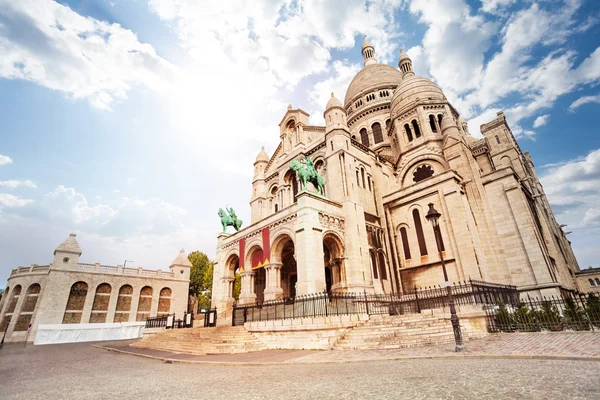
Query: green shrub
(525, 319)
(549, 316)
(503, 319)
(574, 316)
(592, 307)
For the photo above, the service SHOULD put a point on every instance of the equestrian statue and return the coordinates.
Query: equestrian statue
(306, 172)
(229, 219)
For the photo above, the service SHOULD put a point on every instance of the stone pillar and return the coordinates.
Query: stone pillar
(309, 246)
(247, 296)
(273, 290)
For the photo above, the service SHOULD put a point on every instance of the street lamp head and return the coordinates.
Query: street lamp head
(433, 215)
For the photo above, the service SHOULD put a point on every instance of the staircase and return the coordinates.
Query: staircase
(201, 341)
(393, 332)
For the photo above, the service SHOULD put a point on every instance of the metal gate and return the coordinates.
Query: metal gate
(210, 317)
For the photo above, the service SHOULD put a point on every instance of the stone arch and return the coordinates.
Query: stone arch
(144, 303)
(123, 304)
(164, 301)
(232, 264)
(290, 179)
(100, 306)
(438, 163)
(404, 233)
(253, 247)
(28, 307)
(333, 261)
(382, 263)
(75, 303)
(4, 297)
(11, 304)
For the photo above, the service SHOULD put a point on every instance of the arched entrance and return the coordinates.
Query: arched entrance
(283, 257)
(258, 280)
(232, 277)
(333, 262)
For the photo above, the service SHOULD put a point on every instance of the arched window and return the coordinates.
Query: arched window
(362, 172)
(276, 207)
(387, 125)
(423, 171)
(597, 281)
(440, 117)
(100, 306)
(123, 304)
(382, 270)
(145, 303)
(404, 237)
(377, 134)
(164, 301)
(28, 307)
(408, 132)
(432, 123)
(591, 281)
(290, 179)
(364, 137)
(419, 230)
(11, 305)
(369, 182)
(374, 264)
(415, 126)
(75, 303)
(497, 139)
(3, 299)
(357, 179)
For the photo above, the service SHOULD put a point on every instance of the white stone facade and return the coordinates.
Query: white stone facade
(67, 291)
(395, 146)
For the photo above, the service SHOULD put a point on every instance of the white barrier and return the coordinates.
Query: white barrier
(74, 333)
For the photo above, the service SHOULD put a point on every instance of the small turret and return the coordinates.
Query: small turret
(66, 255)
(368, 52)
(335, 115)
(262, 159)
(405, 65)
(181, 266)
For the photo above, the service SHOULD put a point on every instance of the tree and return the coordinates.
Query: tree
(237, 286)
(200, 264)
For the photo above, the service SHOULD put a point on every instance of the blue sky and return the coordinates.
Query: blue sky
(131, 122)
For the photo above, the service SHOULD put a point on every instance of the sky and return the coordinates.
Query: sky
(131, 122)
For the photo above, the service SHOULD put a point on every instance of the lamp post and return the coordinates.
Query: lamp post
(433, 216)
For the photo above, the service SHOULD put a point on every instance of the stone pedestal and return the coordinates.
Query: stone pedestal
(273, 289)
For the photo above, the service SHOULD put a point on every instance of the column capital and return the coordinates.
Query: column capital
(247, 273)
(275, 265)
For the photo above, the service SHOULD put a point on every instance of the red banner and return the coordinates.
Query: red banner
(242, 253)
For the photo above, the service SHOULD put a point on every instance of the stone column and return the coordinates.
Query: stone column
(247, 296)
(273, 290)
(309, 246)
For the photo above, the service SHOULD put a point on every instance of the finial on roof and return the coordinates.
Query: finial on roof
(405, 64)
(368, 52)
(332, 95)
(289, 106)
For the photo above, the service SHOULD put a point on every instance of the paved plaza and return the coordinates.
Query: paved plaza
(81, 371)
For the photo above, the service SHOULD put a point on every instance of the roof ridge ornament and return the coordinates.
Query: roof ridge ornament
(368, 52)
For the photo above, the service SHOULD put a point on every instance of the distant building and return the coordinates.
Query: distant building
(394, 146)
(70, 292)
(589, 280)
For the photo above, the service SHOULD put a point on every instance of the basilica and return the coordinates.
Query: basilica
(392, 148)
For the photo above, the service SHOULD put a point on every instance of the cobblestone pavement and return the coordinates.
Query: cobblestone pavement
(79, 371)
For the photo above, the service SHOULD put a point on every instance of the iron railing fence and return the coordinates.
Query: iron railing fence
(578, 313)
(330, 304)
(158, 322)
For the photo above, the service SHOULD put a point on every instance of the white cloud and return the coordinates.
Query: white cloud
(583, 100)
(541, 121)
(12, 184)
(5, 160)
(47, 43)
(456, 41)
(11, 201)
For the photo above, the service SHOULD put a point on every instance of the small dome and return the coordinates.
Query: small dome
(415, 87)
(366, 43)
(262, 155)
(372, 77)
(333, 102)
(447, 122)
(403, 56)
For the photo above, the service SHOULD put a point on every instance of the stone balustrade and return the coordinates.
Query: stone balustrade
(111, 269)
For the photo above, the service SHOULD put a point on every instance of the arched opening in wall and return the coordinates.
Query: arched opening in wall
(4, 297)
(362, 173)
(100, 307)
(75, 303)
(164, 301)
(234, 280)
(377, 134)
(598, 281)
(415, 126)
(497, 139)
(439, 119)
(290, 179)
(373, 258)
(405, 246)
(28, 307)
(333, 262)
(422, 172)
(291, 132)
(255, 260)
(364, 137)
(419, 230)
(11, 305)
(144, 304)
(369, 182)
(432, 123)
(123, 304)
(283, 251)
(409, 135)
(388, 123)
(260, 284)
(382, 266)
(275, 198)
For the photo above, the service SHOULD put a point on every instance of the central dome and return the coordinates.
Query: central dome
(372, 77)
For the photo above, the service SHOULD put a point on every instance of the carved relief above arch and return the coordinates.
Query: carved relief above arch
(437, 163)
